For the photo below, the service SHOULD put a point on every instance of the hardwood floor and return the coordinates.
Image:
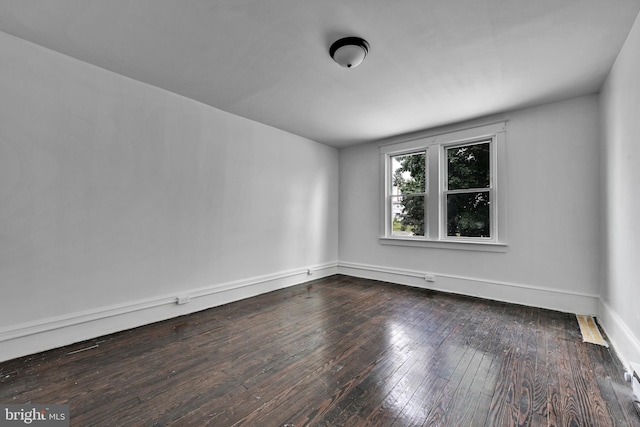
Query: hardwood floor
(339, 351)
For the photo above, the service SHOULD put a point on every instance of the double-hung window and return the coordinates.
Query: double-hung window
(446, 190)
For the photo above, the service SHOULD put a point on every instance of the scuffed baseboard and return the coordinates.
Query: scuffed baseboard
(624, 342)
(45, 334)
(553, 299)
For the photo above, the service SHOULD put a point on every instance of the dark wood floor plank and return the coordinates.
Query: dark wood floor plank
(371, 358)
(504, 408)
(608, 378)
(387, 366)
(437, 406)
(551, 327)
(525, 387)
(470, 405)
(408, 395)
(385, 363)
(540, 398)
(408, 335)
(339, 351)
(569, 390)
(592, 403)
(314, 358)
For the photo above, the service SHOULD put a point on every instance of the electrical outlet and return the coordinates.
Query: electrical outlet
(429, 277)
(183, 299)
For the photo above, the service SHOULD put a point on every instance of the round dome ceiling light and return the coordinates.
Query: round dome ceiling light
(349, 52)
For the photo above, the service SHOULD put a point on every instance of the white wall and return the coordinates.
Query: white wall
(117, 196)
(620, 106)
(552, 260)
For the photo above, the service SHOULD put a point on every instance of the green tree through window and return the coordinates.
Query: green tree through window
(468, 190)
(446, 190)
(410, 180)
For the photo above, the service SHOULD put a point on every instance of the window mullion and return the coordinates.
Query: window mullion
(432, 208)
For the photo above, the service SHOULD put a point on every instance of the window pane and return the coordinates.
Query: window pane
(408, 173)
(468, 214)
(407, 215)
(468, 166)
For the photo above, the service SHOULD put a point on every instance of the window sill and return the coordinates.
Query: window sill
(442, 244)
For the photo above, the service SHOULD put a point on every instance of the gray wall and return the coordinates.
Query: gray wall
(552, 174)
(620, 107)
(117, 195)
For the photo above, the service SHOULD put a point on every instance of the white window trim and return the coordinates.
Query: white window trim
(435, 227)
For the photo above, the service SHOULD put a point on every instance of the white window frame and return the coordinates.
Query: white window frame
(435, 147)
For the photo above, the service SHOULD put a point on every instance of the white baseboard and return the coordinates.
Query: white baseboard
(45, 334)
(624, 342)
(534, 296)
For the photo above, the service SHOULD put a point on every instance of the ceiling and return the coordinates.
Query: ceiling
(431, 62)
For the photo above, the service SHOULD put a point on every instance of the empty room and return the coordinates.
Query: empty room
(339, 213)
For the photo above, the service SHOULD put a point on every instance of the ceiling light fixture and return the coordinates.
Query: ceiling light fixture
(349, 52)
